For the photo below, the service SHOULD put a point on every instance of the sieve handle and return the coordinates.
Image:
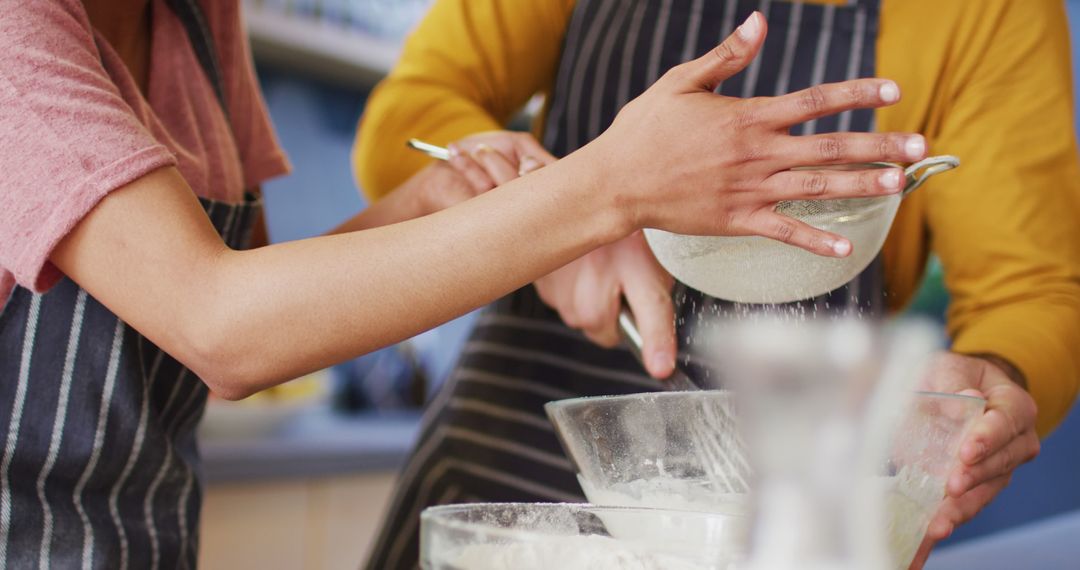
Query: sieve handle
(630, 334)
(930, 167)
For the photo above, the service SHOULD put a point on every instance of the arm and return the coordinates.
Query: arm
(322, 300)
(456, 78)
(1005, 227)
(148, 253)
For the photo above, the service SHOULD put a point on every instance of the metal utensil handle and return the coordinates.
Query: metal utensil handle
(933, 166)
(436, 152)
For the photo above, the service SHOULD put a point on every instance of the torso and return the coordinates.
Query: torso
(100, 467)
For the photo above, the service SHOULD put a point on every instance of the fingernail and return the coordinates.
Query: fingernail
(749, 29)
(482, 149)
(889, 92)
(662, 362)
(841, 247)
(454, 150)
(915, 147)
(528, 164)
(891, 180)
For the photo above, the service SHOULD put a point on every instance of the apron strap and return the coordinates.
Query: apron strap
(202, 41)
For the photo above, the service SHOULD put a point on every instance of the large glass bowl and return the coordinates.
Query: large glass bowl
(543, 536)
(646, 450)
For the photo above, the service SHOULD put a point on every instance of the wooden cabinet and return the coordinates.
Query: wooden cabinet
(306, 524)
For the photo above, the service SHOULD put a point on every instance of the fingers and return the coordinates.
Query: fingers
(1010, 413)
(849, 148)
(829, 99)
(464, 163)
(728, 58)
(531, 155)
(832, 184)
(923, 554)
(495, 165)
(804, 236)
(596, 308)
(650, 302)
(1001, 462)
(957, 511)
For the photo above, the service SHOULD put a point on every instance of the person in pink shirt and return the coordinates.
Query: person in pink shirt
(134, 281)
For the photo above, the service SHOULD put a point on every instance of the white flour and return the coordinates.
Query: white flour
(911, 499)
(667, 492)
(568, 553)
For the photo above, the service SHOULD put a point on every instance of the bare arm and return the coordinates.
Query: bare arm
(148, 252)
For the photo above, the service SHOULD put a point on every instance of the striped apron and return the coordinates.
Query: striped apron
(99, 466)
(485, 437)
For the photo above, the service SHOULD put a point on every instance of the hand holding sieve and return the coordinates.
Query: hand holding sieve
(750, 269)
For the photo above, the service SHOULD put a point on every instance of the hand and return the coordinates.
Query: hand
(690, 161)
(1002, 440)
(477, 164)
(588, 294)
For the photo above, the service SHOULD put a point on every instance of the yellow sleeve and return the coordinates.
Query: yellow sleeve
(1006, 225)
(467, 68)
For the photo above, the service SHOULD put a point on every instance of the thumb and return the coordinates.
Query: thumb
(732, 56)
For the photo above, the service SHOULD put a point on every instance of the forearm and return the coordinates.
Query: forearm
(246, 320)
(397, 206)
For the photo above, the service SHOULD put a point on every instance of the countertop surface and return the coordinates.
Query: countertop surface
(314, 443)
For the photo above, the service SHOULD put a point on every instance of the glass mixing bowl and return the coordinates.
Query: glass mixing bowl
(662, 450)
(542, 536)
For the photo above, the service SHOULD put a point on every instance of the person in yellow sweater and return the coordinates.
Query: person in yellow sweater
(987, 81)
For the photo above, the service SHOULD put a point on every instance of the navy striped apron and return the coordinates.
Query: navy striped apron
(486, 437)
(99, 466)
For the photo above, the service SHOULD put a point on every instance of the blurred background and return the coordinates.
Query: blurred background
(298, 477)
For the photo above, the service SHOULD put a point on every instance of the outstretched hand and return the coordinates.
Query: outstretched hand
(726, 162)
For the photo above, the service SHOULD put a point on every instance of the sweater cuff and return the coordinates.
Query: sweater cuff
(1043, 341)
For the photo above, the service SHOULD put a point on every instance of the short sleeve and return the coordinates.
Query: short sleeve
(261, 156)
(67, 137)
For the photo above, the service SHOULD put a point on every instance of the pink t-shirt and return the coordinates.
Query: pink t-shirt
(74, 125)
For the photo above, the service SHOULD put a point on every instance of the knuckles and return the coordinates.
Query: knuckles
(784, 231)
(815, 185)
(812, 101)
(889, 145)
(831, 149)
(727, 52)
(856, 94)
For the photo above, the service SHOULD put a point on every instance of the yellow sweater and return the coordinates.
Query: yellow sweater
(988, 81)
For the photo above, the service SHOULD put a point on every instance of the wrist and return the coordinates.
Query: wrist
(1007, 367)
(598, 185)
